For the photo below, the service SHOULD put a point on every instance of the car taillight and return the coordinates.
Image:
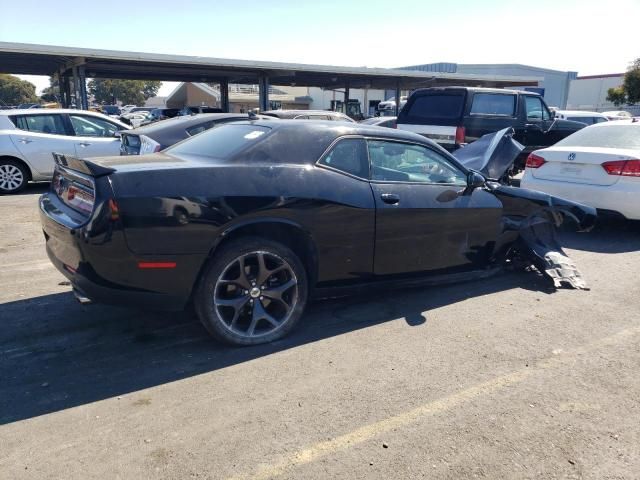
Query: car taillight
(624, 168)
(534, 161)
(460, 135)
(74, 189)
(148, 145)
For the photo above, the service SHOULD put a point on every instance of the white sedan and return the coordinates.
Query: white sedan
(28, 138)
(598, 166)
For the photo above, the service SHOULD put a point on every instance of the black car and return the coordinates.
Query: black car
(110, 109)
(158, 136)
(389, 122)
(248, 220)
(454, 116)
(158, 114)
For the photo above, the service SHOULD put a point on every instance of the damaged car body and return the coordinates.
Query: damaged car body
(249, 220)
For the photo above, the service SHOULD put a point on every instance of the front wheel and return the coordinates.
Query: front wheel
(253, 291)
(13, 176)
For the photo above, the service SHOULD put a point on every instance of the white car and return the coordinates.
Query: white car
(617, 115)
(598, 166)
(29, 137)
(588, 118)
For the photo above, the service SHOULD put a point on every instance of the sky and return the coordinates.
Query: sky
(589, 37)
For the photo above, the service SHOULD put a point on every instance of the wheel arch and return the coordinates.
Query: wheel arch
(21, 162)
(284, 231)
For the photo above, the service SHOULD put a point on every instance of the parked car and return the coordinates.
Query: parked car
(25, 106)
(126, 108)
(249, 219)
(388, 107)
(588, 118)
(309, 115)
(28, 138)
(389, 122)
(617, 115)
(199, 109)
(158, 136)
(111, 110)
(158, 114)
(454, 116)
(598, 166)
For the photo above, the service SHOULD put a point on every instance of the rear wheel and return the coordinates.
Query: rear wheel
(253, 291)
(13, 176)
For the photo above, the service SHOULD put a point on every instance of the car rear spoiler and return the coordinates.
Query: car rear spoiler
(81, 165)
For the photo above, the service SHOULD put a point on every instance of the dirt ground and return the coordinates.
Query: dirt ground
(499, 378)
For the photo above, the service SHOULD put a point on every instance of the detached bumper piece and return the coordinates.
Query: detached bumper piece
(538, 234)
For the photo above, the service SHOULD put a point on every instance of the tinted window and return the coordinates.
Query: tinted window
(439, 106)
(609, 136)
(402, 162)
(493, 104)
(350, 156)
(196, 129)
(221, 142)
(86, 126)
(41, 123)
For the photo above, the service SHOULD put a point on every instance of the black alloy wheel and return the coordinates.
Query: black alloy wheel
(254, 291)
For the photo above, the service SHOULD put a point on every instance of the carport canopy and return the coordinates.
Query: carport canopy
(73, 65)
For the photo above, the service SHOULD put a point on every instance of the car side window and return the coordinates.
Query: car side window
(493, 104)
(535, 109)
(52, 124)
(350, 156)
(405, 162)
(86, 126)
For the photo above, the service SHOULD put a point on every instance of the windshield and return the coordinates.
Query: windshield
(610, 136)
(221, 142)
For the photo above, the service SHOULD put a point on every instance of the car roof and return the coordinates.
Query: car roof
(616, 123)
(293, 113)
(331, 128)
(475, 90)
(40, 111)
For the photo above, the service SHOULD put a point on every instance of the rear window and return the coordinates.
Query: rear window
(438, 106)
(221, 142)
(610, 136)
(493, 104)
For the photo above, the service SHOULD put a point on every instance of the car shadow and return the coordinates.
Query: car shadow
(33, 188)
(610, 235)
(57, 354)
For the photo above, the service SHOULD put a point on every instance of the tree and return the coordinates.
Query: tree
(133, 92)
(52, 92)
(14, 91)
(629, 91)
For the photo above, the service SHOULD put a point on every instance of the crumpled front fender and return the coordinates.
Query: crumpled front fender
(536, 216)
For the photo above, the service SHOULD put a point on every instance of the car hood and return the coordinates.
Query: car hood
(491, 154)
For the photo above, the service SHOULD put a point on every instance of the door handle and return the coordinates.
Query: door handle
(390, 198)
(84, 144)
(25, 140)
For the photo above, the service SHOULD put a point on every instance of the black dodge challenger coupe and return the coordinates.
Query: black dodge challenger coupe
(249, 219)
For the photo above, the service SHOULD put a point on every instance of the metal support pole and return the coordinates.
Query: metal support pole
(66, 90)
(397, 97)
(263, 93)
(82, 80)
(224, 95)
(346, 97)
(76, 87)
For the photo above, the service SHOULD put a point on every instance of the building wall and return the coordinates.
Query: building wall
(590, 93)
(554, 82)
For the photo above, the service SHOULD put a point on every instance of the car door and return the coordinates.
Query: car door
(95, 136)
(489, 112)
(37, 136)
(427, 220)
(537, 122)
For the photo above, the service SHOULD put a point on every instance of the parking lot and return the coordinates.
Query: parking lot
(503, 377)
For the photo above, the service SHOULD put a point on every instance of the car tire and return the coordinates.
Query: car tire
(229, 303)
(13, 176)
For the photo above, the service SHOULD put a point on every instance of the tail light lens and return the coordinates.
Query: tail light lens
(534, 161)
(460, 135)
(74, 189)
(624, 168)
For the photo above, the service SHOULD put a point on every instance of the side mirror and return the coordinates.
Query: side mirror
(475, 180)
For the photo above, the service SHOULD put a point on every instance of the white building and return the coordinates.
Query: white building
(590, 93)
